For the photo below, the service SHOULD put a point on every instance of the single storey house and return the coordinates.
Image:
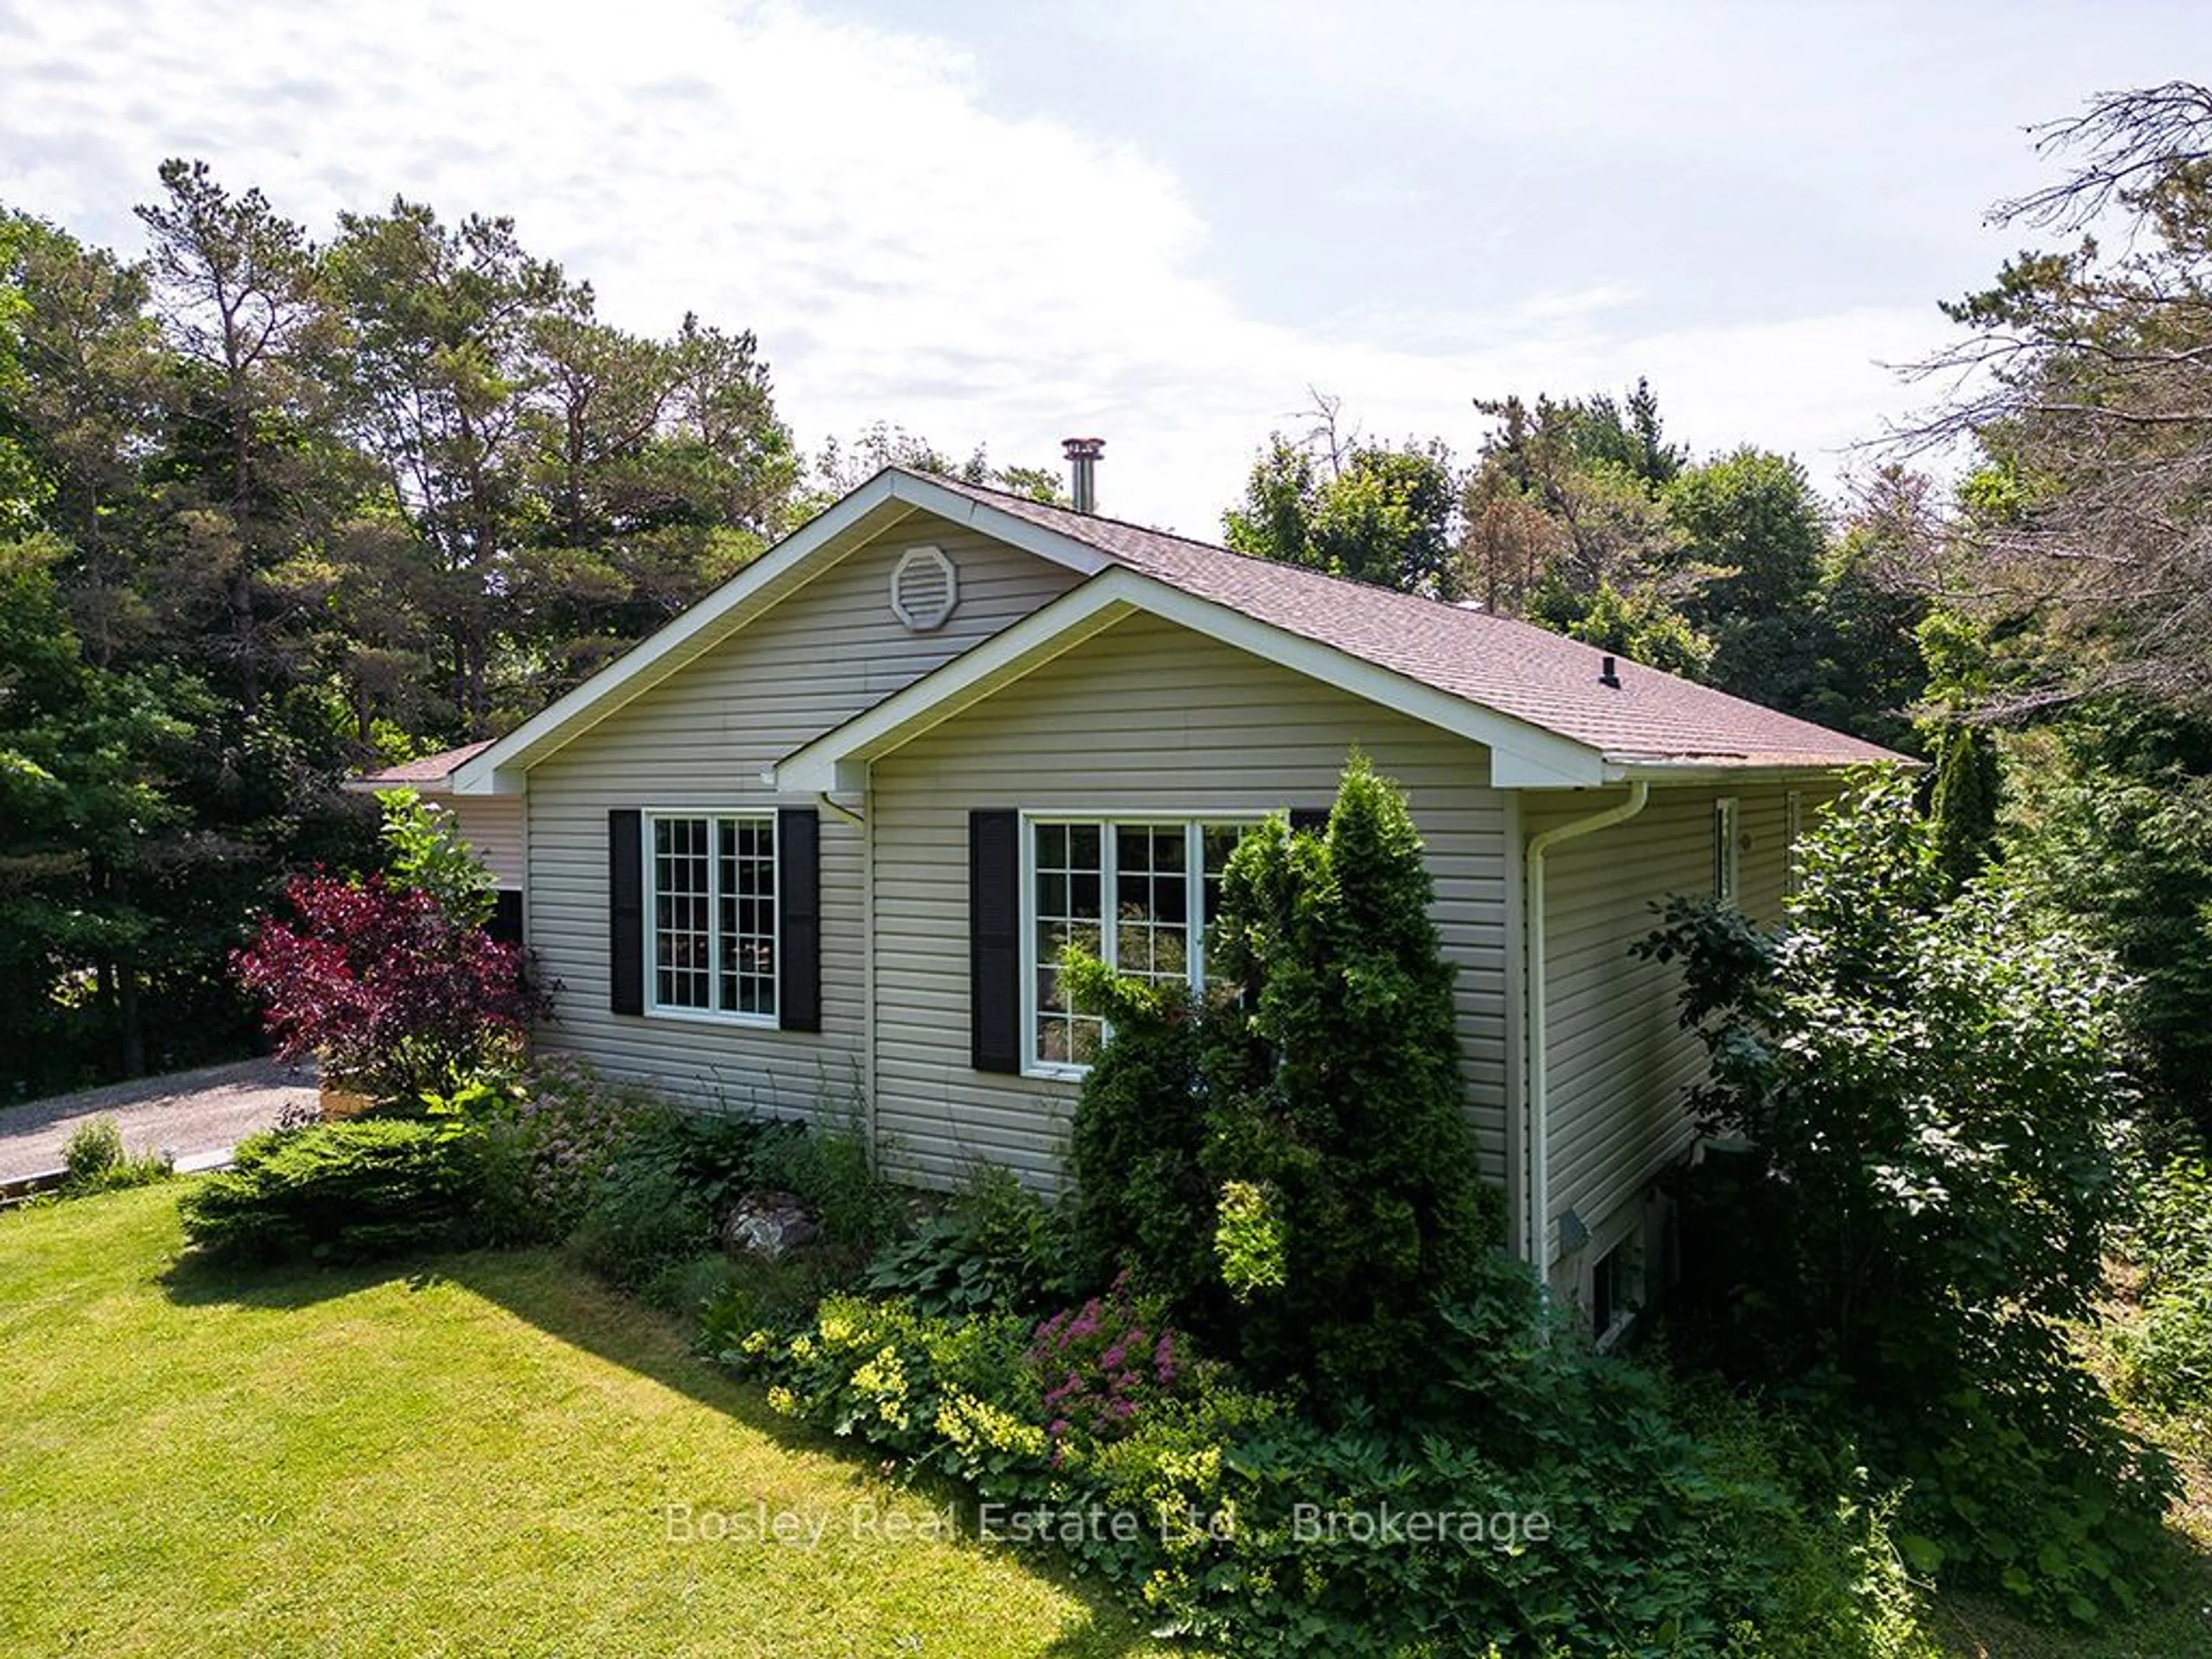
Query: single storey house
(815, 846)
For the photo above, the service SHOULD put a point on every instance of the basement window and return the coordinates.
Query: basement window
(1613, 1293)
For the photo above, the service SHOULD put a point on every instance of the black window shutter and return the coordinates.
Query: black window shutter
(505, 923)
(626, 912)
(799, 931)
(1309, 818)
(995, 951)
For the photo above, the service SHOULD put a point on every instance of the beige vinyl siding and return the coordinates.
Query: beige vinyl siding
(1146, 718)
(493, 826)
(1619, 1060)
(700, 740)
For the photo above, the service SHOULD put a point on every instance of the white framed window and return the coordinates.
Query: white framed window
(1727, 849)
(1139, 894)
(710, 946)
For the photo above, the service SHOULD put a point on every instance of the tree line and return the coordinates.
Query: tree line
(1577, 515)
(273, 508)
(2019, 591)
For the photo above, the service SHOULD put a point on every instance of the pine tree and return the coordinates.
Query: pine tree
(1338, 1093)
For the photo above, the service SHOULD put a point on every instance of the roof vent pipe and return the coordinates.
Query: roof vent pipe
(1083, 455)
(1608, 674)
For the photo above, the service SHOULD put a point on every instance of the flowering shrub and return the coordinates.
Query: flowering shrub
(1098, 1365)
(949, 1394)
(396, 997)
(569, 1130)
(1568, 1512)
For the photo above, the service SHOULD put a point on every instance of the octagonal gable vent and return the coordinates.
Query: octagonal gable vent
(924, 589)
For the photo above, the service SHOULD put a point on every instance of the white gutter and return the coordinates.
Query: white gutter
(1536, 1222)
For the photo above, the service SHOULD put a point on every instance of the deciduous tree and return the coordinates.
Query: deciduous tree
(1375, 514)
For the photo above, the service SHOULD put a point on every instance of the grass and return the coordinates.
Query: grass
(474, 1456)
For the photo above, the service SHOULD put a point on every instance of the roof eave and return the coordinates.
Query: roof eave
(1749, 768)
(372, 784)
(873, 508)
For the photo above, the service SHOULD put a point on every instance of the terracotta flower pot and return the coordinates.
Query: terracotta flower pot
(339, 1101)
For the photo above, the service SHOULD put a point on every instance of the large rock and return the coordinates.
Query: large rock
(769, 1223)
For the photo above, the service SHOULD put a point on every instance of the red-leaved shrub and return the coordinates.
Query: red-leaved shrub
(396, 997)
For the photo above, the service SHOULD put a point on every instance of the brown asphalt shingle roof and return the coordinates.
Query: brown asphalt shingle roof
(1520, 670)
(429, 769)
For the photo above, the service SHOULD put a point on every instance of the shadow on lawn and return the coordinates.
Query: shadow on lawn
(543, 1290)
(193, 1280)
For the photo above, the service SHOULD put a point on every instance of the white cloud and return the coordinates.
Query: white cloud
(905, 252)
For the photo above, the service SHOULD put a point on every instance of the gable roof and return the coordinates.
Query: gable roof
(1516, 668)
(1424, 649)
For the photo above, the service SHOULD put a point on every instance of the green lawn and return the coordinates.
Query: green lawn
(474, 1456)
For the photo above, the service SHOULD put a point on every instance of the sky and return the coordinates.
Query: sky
(1166, 224)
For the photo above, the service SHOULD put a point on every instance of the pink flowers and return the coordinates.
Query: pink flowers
(1101, 1366)
(573, 1127)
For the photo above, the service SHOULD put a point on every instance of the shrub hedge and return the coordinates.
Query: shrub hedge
(345, 1192)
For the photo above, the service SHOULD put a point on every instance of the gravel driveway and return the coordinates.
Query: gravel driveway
(198, 1115)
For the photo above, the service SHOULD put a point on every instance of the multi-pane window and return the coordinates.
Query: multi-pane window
(713, 914)
(1152, 904)
(1163, 880)
(1068, 880)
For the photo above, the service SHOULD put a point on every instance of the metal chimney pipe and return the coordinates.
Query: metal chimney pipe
(1083, 455)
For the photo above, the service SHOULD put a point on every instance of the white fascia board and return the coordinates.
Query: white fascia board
(1689, 771)
(1522, 756)
(995, 522)
(874, 508)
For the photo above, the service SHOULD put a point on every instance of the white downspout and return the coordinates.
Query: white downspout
(1536, 1223)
